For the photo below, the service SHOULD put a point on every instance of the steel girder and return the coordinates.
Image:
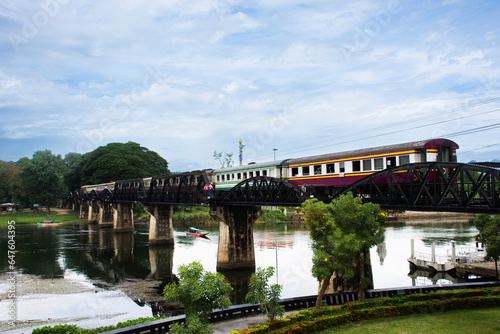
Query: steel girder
(263, 190)
(433, 186)
(182, 189)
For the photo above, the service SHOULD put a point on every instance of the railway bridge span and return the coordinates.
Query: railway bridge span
(431, 186)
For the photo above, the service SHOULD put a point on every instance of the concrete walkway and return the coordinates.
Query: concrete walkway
(225, 327)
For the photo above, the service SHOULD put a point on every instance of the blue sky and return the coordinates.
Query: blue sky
(185, 78)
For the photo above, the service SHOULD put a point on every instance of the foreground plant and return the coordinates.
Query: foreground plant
(264, 294)
(200, 292)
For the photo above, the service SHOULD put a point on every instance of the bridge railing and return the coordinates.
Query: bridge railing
(238, 311)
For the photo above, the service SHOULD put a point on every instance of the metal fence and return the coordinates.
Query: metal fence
(243, 310)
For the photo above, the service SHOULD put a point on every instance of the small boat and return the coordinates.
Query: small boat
(194, 232)
(49, 222)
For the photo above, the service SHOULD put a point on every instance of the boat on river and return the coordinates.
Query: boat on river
(49, 222)
(194, 232)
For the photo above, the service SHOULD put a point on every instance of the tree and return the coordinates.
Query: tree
(260, 292)
(225, 159)
(42, 175)
(342, 232)
(200, 292)
(10, 181)
(73, 175)
(113, 162)
(489, 233)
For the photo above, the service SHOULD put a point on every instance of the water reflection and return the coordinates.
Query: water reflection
(118, 259)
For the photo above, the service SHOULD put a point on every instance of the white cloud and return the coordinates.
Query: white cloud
(189, 77)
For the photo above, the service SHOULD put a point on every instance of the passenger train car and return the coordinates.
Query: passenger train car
(327, 170)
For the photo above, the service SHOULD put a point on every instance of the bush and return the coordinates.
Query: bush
(311, 320)
(59, 329)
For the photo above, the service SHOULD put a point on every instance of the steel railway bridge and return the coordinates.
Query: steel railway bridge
(431, 186)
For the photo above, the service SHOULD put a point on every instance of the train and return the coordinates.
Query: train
(333, 170)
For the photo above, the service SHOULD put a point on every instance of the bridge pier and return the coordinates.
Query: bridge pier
(83, 208)
(93, 216)
(123, 215)
(236, 249)
(106, 214)
(161, 231)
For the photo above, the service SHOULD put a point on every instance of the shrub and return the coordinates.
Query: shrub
(59, 329)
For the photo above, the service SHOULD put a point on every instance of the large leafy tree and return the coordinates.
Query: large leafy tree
(200, 292)
(113, 162)
(117, 161)
(489, 233)
(42, 176)
(342, 232)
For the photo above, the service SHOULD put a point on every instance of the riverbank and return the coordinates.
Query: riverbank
(414, 217)
(27, 216)
(69, 300)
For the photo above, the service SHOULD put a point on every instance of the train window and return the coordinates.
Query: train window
(391, 162)
(305, 170)
(356, 166)
(218, 178)
(295, 171)
(264, 173)
(317, 170)
(367, 164)
(404, 160)
(257, 173)
(330, 168)
(244, 176)
(250, 174)
(342, 167)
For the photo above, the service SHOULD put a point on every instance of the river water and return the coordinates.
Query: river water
(100, 255)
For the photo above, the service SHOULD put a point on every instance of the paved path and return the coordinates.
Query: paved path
(225, 327)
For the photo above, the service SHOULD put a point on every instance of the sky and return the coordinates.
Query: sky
(185, 78)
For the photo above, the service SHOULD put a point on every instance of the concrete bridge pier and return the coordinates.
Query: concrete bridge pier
(236, 249)
(123, 217)
(106, 214)
(161, 231)
(93, 216)
(83, 208)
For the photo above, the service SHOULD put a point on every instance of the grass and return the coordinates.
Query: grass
(32, 217)
(461, 321)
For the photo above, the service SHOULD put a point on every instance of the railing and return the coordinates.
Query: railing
(238, 311)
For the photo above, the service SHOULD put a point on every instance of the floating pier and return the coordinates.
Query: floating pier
(444, 263)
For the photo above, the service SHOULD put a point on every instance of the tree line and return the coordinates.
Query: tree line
(46, 176)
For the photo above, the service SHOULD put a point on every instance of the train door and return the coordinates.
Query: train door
(446, 155)
(423, 156)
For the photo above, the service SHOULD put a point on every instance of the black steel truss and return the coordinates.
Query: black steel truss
(433, 186)
(183, 189)
(263, 190)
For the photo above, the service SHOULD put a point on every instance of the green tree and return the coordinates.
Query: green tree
(73, 175)
(268, 296)
(225, 159)
(489, 233)
(42, 175)
(117, 161)
(10, 181)
(342, 232)
(200, 292)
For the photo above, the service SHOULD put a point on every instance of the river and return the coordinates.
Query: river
(100, 255)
